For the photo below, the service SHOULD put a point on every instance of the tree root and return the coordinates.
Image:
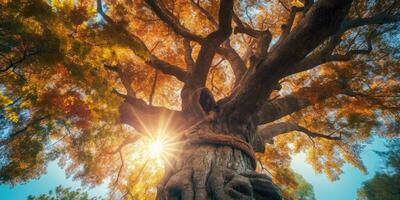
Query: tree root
(220, 184)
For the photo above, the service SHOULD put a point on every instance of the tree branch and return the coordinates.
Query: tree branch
(147, 119)
(289, 24)
(125, 79)
(307, 5)
(323, 20)
(153, 88)
(205, 12)
(14, 64)
(237, 64)
(129, 140)
(378, 19)
(142, 116)
(298, 100)
(23, 130)
(198, 75)
(139, 48)
(167, 17)
(325, 54)
(269, 132)
(188, 54)
(242, 27)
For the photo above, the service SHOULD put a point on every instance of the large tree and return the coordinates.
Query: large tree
(93, 84)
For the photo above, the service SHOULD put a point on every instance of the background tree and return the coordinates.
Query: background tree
(385, 184)
(303, 190)
(95, 85)
(61, 193)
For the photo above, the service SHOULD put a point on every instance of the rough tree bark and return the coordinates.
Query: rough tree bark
(217, 158)
(207, 170)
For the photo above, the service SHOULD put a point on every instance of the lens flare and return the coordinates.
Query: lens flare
(156, 148)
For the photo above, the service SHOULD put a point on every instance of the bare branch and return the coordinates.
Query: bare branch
(325, 54)
(212, 41)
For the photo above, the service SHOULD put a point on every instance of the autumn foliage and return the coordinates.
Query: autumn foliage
(67, 66)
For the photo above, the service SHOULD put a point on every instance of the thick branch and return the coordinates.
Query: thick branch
(188, 54)
(242, 27)
(263, 44)
(323, 20)
(147, 119)
(125, 79)
(307, 5)
(298, 100)
(167, 68)
(237, 64)
(198, 75)
(212, 41)
(289, 23)
(319, 59)
(143, 117)
(325, 54)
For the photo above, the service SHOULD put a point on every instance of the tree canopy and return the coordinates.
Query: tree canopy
(92, 84)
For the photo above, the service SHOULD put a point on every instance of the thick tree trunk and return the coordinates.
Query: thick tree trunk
(214, 171)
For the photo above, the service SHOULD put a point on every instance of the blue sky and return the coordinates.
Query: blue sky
(344, 189)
